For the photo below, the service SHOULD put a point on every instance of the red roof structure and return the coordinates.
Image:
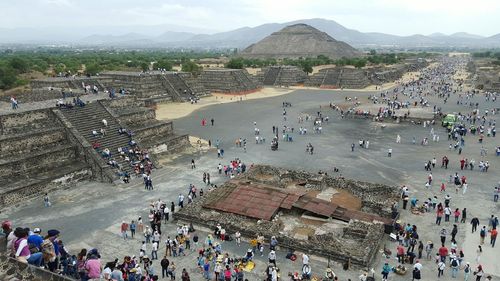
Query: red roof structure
(261, 201)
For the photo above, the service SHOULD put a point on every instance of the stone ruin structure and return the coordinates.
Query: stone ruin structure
(48, 148)
(228, 81)
(285, 75)
(299, 40)
(152, 86)
(337, 218)
(486, 76)
(352, 78)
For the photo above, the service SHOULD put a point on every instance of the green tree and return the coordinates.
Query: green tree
(92, 69)
(144, 66)
(359, 63)
(7, 77)
(163, 64)
(192, 67)
(19, 64)
(236, 63)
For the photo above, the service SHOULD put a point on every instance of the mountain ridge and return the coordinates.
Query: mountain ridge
(241, 37)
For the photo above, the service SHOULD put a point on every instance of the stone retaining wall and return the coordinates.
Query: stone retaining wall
(27, 121)
(36, 162)
(31, 142)
(38, 188)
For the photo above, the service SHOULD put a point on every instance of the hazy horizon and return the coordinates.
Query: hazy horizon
(386, 16)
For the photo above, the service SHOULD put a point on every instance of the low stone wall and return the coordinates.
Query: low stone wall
(37, 161)
(38, 188)
(31, 142)
(27, 121)
(164, 129)
(161, 146)
(123, 102)
(137, 116)
(340, 247)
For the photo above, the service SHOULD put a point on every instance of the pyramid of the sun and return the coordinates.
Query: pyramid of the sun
(299, 40)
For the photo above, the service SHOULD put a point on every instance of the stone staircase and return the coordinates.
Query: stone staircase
(88, 118)
(331, 79)
(353, 78)
(196, 87)
(170, 88)
(270, 76)
(179, 85)
(316, 79)
(290, 76)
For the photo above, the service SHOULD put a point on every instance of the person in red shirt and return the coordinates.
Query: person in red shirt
(401, 253)
(493, 237)
(124, 229)
(443, 253)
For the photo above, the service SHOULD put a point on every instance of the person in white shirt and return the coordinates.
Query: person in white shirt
(305, 259)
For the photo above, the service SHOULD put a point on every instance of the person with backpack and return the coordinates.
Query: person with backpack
(441, 267)
(479, 272)
(482, 235)
(385, 271)
(467, 271)
(185, 275)
(455, 266)
(416, 274)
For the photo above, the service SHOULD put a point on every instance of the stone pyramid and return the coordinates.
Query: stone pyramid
(299, 40)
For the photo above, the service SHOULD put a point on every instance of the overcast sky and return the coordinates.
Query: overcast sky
(399, 17)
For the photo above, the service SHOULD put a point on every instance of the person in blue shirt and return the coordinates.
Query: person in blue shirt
(35, 239)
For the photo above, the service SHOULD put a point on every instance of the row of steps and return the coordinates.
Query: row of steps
(180, 86)
(270, 76)
(89, 118)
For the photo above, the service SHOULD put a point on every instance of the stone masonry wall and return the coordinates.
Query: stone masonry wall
(31, 142)
(27, 121)
(38, 188)
(37, 161)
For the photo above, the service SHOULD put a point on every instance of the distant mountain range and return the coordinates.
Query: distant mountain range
(155, 37)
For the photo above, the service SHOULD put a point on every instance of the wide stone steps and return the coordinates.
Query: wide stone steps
(89, 118)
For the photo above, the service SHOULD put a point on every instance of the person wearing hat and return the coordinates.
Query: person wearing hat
(52, 236)
(329, 274)
(35, 240)
(428, 249)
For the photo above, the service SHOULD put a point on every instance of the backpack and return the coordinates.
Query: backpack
(467, 269)
(454, 263)
(48, 251)
(482, 233)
